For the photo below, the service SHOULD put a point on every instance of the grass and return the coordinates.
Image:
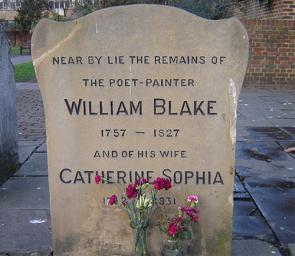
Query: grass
(14, 51)
(24, 72)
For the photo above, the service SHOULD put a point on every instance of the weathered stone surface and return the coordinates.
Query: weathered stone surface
(81, 223)
(8, 141)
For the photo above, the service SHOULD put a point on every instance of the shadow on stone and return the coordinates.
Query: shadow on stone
(8, 141)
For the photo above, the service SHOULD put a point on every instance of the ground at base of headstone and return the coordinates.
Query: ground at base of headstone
(239, 248)
(253, 248)
(27, 254)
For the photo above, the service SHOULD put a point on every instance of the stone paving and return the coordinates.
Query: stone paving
(266, 129)
(264, 191)
(30, 115)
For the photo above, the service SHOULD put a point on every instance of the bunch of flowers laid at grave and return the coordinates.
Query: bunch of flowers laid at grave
(139, 200)
(179, 228)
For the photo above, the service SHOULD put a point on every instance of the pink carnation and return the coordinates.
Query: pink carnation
(192, 198)
(131, 191)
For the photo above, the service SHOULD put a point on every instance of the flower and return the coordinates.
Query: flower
(162, 183)
(97, 179)
(179, 219)
(194, 218)
(131, 191)
(175, 226)
(192, 213)
(172, 229)
(192, 198)
(140, 182)
(112, 200)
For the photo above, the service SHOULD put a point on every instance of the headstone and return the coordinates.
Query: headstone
(8, 139)
(139, 90)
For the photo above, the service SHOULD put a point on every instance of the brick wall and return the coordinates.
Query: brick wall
(272, 53)
(18, 37)
(256, 9)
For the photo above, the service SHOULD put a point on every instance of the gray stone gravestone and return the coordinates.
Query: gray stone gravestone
(8, 139)
(143, 89)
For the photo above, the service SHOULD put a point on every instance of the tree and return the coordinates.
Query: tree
(215, 9)
(86, 6)
(210, 9)
(30, 13)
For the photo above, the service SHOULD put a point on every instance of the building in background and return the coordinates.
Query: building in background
(10, 4)
(60, 7)
(8, 8)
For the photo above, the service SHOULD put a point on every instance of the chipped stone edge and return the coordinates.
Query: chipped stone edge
(232, 92)
(38, 60)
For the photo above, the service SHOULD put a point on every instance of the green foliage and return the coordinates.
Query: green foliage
(24, 72)
(55, 16)
(87, 6)
(15, 51)
(267, 2)
(210, 9)
(30, 13)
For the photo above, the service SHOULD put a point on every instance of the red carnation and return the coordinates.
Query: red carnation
(113, 200)
(97, 179)
(161, 183)
(167, 184)
(172, 229)
(192, 213)
(180, 219)
(131, 191)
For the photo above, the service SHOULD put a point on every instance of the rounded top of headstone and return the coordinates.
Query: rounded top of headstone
(139, 16)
